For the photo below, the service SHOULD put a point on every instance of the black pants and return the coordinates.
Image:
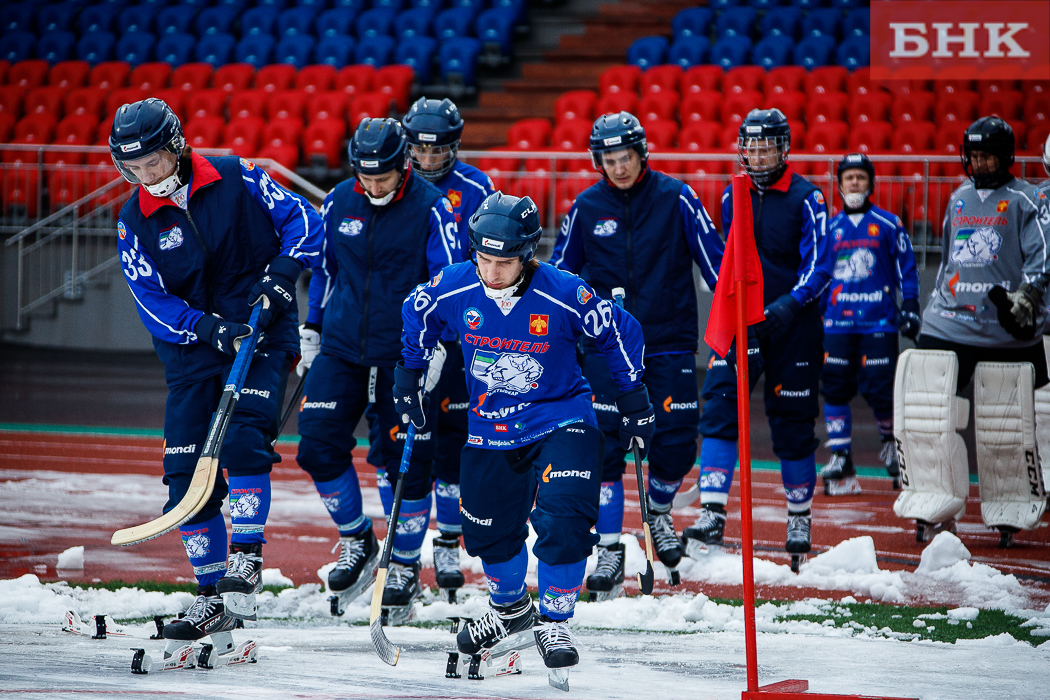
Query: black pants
(970, 355)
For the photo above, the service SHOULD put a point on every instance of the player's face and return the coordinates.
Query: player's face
(761, 153)
(622, 167)
(429, 158)
(153, 168)
(379, 186)
(855, 181)
(499, 273)
(983, 163)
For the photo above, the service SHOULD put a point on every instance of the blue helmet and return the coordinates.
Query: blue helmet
(995, 137)
(505, 226)
(435, 125)
(856, 160)
(378, 146)
(764, 127)
(141, 129)
(614, 132)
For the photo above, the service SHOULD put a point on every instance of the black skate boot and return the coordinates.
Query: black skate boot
(496, 625)
(798, 538)
(606, 582)
(557, 646)
(242, 581)
(205, 616)
(446, 564)
(707, 531)
(888, 455)
(355, 570)
(839, 475)
(665, 541)
(400, 592)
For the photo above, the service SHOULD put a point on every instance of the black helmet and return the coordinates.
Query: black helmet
(614, 132)
(764, 127)
(435, 124)
(506, 226)
(993, 136)
(378, 146)
(856, 160)
(141, 129)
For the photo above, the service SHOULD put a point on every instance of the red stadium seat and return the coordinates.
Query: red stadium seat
(110, 75)
(205, 132)
(576, 104)
(69, 74)
(327, 104)
(791, 102)
(784, 78)
(325, 138)
(701, 107)
(615, 102)
(286, 103)
(86, 100)
(1037, 137)
(957, 107)
(730, 137)
(658, 105)
(1007, 104)
(5, 66)
(952, 86)
(356, 79)
(233, 77)
(285, 154)
(12, 97)
(740, 103)
(530, 134)
(150, 76)
(619, 79)
(500, 168)
(37, 128)
(914, 137)
(665, 78)
(395, 82)
(661, 133)
(28, 74)
(206, 103)
(248, 103)
(826, 107)
(174, 98)
(870, 137)
(826, 79)
(243, 136)
(744, 78)
(21, 189)
(987, 86)
(315, 78)
(701, 137)
(702, 79)
(7, 126)
(66, 186)
(283, 132)
(76, 128)
(1037, 107)
(859, 82)
(192, 76)
(567, 190)
(124, 96)
(366, 105)
(827, 137)
(870, 106)
(276, 76)
(917, 105)
(571, 135)
(674, 167)
(47, 100)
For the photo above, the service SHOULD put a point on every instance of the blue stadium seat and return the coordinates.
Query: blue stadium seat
(814, 51)
(95, 47)
(216, 20)
(336, 22)
(781, 20)
(374, 50)
(474, 6)
(773, 51)
(858, 22)
(259, 20)
(256, 49)
(764, 4)
(413, 23)
(297, 49)
(496, 28)
(137, 18)
(847, 4)
(434, 6)
(854, 52)
(17, 46)
(808, 4)
(458, 59)
(692, 21)
(648, 51)
(175, 20)
(296, 20)
(215, 49)
(736, 20)
(392, 5)
(822, 21)
(417, 52)
(18, 17)
(518, 6)
(318, 6)
(454, 22)
(241, 5)
(356, 5)
(98, 18)
(136, 47)
(723, 4)
(56, 18)
(688, 51)
(158, 3)
(335, 51)
(56, 46)
(731, 51)
(175, 48)
(197, 5)
(378, 21)
(275, 4)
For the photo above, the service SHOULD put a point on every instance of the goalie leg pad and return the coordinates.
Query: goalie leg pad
(1042, 419)
(927, 416)
(1012, 491)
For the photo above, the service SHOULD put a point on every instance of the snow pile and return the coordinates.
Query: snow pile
(945, 564)
(72, 558)
(25, 600)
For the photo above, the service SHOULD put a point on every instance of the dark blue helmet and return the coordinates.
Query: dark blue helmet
(141, 129)
(764, 127)
(434, 128)
(378, 146)
(505, 226)
(614, 132)
(856, 160)
(995, 137)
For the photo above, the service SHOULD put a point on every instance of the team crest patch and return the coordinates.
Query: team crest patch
(959, 206)
(819, 197)
(873, 230)
(437, 279)
(473, 318)
(855, 265)
(197, 546)
(247, 164)
(122, 230)
(171, 238)
(582, 295)
(246, 506)
(455, 198)
(605, 227)
(1001, 206)
(448, 205)
(538, 323)
(352, 226)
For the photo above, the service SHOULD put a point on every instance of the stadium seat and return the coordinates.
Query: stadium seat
(248, 103)
(870, 106)
(1037, 107)
(369, 105)
(285, 104)
(703, 78)
(44, 100)
(566, 190)
(274, 77)
(413, 23)
(285, 154)
(123, 96)
(773, 52)
(315, 5)
(827, 137)
(56, 17)
(616, 102)
(7, 126)
(96, 47)
(327, 104)
(619, 79)
(529, 134)
(77, 129)
(518, 6)
(28, 74)
(792, 103)
(955, 85)
(913, 137)
(453, 22)
(176, 20)
(136, 47)
(395, 81)
(689, 51)
(175, 49)
(692, 21)
(827, 107)
(234, 77)
(571, 135)
(283, 132)
(495, 28)
(661, 134)
(244, 136)
(701, 137)
(192, 76)
(150, 76)
(822, 22)
(784, 78)
(56, 46)
(418, 54)
(11, 99)
(99, 17)
(917, 105)
(205, 132)
(870, 137)
(659, 105)
(498, 164)
(458, 59)
(730, 51)
(174, 98)
(295, 49)
(1036, 137)
(859, 82)
(826, 79)
(665, 78)
(815, 51)
(738, 104)
(648, 51)
(38, 128)
(109, 75)
(215, 20)
(85, 101)
(17, 46)
(374, 50)
(255, 50)
(576, 104)
(858, 22)
(956, 107)
(69, 74)
(216, 49)
(355, 79)
(744, 78)
(336, 51)
(781, 21)
(337, 21)
(296, 21)
(324, 138)
(207, 103)
(259, 20)
(854, 52)
(736, 21)
(1007, 104)
(701, 107)
(315, 78)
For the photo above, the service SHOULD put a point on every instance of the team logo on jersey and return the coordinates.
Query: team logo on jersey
(959, 206)
(455, 198)
(819, 197)
(197, 546)
(448, 205)
(538, 323)
(855, 265)
(247, 164)
(473, 318)
(171, 238)
(352, 226)
(507, 373)
(122, 230)
(873, 230)
(582, 295)
(838, 234)
(1001, 206)
(437, 279)
(779, 390)
(605, 227)
(974, 247)
(246, 505)
(838, 295)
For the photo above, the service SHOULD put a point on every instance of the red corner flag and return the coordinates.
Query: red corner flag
(739, 263)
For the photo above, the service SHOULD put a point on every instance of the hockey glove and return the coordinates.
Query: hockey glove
(779, 315)
(909, 321)
(309, 346)
(224, 336)
(408, 395)
(278, 285)
(1017, 310)
(637, 420)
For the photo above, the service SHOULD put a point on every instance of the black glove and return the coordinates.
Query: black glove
(224, 336)
(637, 420)
(1017, 310)
(909, 321)
(408, 395)
(779, 315)
(278, 285)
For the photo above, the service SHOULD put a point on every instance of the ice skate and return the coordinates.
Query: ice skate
(839, 475)
(798, 538)
(205, 616)
(557, 646)
(666, 543)
(496, 625)
(706, 532)
(355, 569)
(401, 591)
(888, 455)
(242, 581)
(606, 582)
(925, 531)
(446, 565)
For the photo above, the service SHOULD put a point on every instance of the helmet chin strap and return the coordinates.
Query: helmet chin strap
(382, 201)
(179, 177)
(854, 200)
(499, 294)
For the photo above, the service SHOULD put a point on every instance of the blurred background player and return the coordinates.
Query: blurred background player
(641, 230)
(386, 231)
(434, 128)
(1042, 395)
(201, 241)
(873, 259)
(533, 434)
(790, 222)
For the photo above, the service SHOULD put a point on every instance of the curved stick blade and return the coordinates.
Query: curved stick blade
(645, 581)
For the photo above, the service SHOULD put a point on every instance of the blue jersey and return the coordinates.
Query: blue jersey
(522, 374)
(872, 254)
(465, 187)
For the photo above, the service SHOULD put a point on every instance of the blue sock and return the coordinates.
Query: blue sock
(661, 493)
(249, 507)
(342, 498)
(839, 422)
(559, 587)
(507, 580)
(206, 546)
(800, 478)
(386, 492)
(446, 505)
(717, 464)
(885, 421)
(412, 523)
(610, 513)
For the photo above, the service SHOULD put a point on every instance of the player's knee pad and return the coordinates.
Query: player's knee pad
(246, 451)
(927, 418)
(1042, 420)
(1012, 490)
(562, 539)
(322, 460)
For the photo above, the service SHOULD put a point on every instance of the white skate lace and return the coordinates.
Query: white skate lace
(198, 611)
(662, 528)
(708, 520)
(400, 576)
(609, 562)
(488, 627)
(555, 635)
(798, 527)
(887, 453)
(835, 466)
(353, 550)
(446, 558)
(242, 566)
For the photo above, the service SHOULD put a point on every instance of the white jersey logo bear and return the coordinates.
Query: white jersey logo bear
(509, 373)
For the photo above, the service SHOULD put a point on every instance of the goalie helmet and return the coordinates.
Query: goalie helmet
(993, 136)
(141, 129)
(764, 128)
(378, 146)
(434, 128)
(615, 132)
(505, 226)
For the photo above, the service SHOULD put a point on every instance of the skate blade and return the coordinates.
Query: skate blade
(394, 615)
(449, 595)
(602, 596)
(695, 549)
(240, 605)
(842, 487)
(924, 532)
(244, 653)
(183, 657)
(558, 678)
(797, 560)
(341, 599)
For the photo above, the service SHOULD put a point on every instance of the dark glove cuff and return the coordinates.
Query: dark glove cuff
(910, 306)
(287, 267)
(791, 303)
(311, 326)
(633, 401)
(406, 379)
(205, 327)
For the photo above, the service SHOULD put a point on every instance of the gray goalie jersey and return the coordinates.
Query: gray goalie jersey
(990, 237)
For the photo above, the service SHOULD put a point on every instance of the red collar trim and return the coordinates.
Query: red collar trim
(202, 173)
(783, 183)
(400, 190)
